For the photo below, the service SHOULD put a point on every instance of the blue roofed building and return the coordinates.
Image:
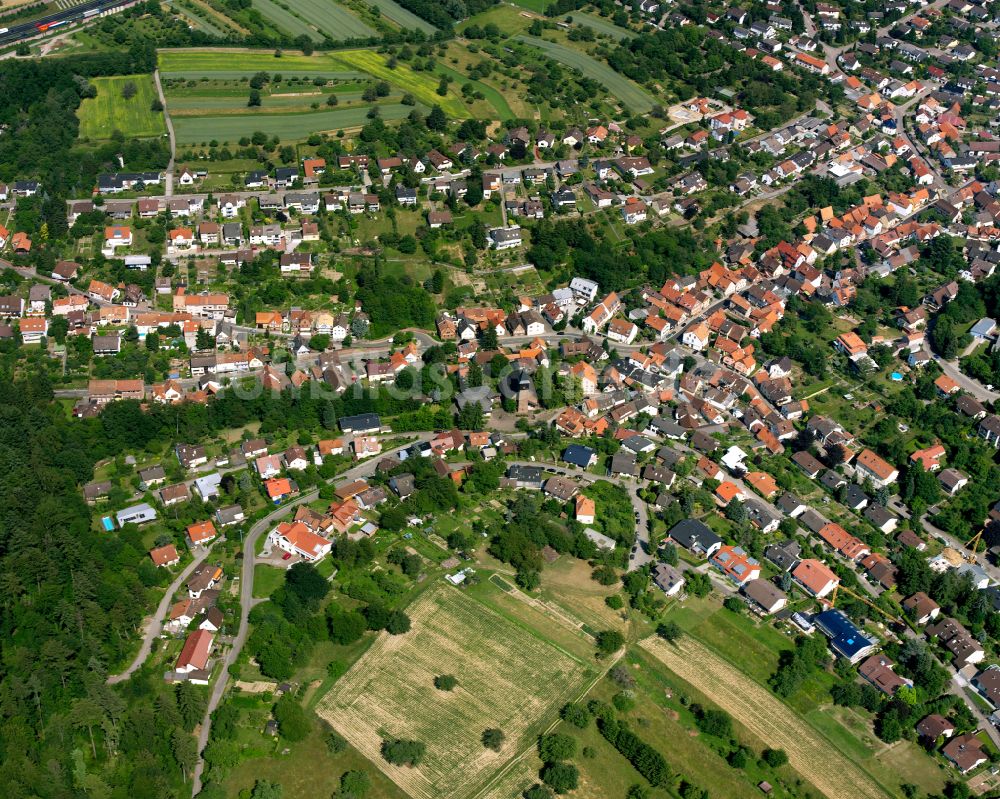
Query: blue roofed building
(579, 455)
(845, 637)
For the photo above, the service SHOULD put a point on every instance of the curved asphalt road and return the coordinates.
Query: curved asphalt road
(247, 601)
(155, 625)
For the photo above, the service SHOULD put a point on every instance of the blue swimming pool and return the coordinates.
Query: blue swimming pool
(896, 376)
(109, 525)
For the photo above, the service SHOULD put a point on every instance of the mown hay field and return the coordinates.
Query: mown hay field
(766, 717)
(508, 677)
(100, 116)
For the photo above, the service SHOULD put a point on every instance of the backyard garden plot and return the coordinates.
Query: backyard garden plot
(766, 717)
(287, 127)
(100, 116)
(393, 11)
(628, 93)
(508, 677)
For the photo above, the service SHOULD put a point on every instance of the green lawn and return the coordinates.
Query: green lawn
(492, 95)
(625, 91)
(421, 85)
(308, 770)
(538, 6)
(287, 127)
(266, 579)
(100, 116)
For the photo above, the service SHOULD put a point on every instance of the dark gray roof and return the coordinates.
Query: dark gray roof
(692, 534)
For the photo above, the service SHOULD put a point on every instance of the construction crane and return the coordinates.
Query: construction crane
(860, 598)
(973, 544)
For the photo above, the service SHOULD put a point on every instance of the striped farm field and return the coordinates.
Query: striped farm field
(286, 20)
(334, 20)
(767, 718)
(631, 95)
(236, 62)
(509, 676)
(199, 22)
(272, 104)
(422, 85)
(109, 111)
(225, 63)
(405, 18)
(317, 19)
(287, 127)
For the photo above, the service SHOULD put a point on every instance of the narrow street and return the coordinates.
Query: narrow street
(247, 601)
(154, 626)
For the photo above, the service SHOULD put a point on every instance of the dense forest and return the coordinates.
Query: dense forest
(38, 103)
(74, 597)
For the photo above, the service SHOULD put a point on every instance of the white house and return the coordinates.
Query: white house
(297, 539)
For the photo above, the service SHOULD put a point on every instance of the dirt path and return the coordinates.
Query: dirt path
(169, 189)
(766, 717)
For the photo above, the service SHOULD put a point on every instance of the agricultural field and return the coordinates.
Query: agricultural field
(199, 20)
(509, 676)
(100, 116)
(317, 19)
(394, 12)
(421, 85)
(767, 718)
(235, 63)
(358, 66)
(287, 127)
(632, 96)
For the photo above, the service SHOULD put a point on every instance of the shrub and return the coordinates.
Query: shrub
(401, 752)
(556, 746)
(576, 715)
(493, 738)
(560, 777)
